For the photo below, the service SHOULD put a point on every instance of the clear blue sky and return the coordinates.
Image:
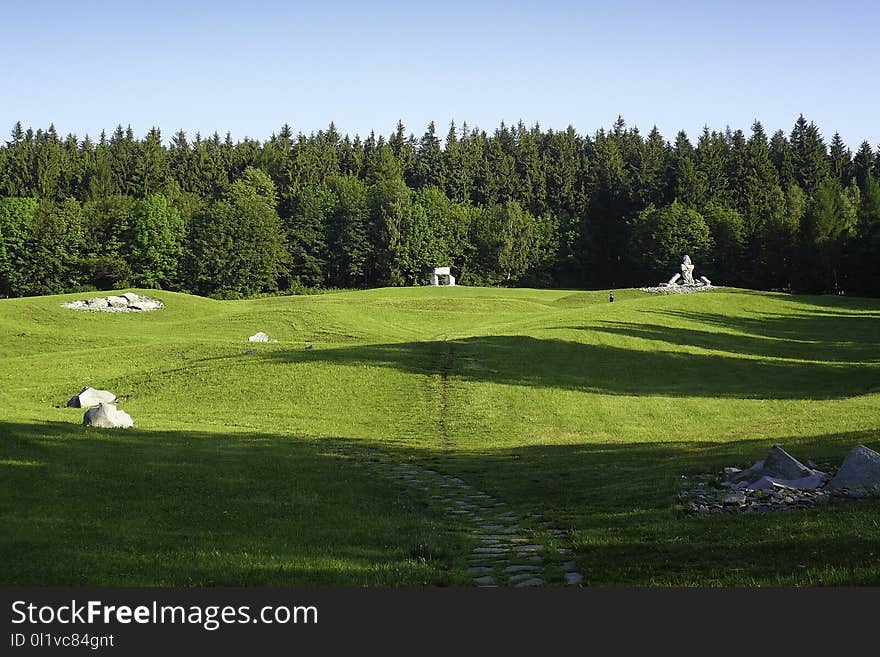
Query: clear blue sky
(249, 67)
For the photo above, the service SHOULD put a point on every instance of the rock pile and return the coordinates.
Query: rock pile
(780, 481)
(679, 289)
(126, 303)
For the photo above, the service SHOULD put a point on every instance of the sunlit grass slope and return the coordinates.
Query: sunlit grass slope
(246, 469)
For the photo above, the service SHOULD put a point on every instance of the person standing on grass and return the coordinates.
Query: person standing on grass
(611, 297)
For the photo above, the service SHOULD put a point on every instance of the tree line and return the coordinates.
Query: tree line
(521, 206)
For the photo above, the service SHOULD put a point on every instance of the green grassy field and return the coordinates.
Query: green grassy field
(248, 469)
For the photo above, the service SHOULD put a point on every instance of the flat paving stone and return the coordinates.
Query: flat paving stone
(515, 568)
(534, 581)
(505, 546)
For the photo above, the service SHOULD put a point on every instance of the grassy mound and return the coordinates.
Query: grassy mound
(248, 469)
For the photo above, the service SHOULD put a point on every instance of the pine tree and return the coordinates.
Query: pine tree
(810, 157)
(840, 160)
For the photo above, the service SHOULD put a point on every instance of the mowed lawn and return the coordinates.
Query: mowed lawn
(252, 469)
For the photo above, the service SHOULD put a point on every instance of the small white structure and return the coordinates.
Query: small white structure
(442, 271)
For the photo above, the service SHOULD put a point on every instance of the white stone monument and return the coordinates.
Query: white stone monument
(687, 270)
(442, 271)
(686, 278)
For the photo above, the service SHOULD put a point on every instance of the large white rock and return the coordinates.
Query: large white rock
(259, 336)
(117, 301)
(861, 467)
(91, 397)
(107, 416)
(131, 297)
(145, 304)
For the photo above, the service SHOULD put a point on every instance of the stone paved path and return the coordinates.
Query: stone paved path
(510, 550)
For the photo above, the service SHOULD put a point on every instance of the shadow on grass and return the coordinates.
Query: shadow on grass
(606, 369)
(82, 507)
(768, 346)
(88, 507)
(620, 503)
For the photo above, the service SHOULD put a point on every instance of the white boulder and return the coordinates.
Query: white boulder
(91, 397)
(259, 336)
(145, 304)
(107, 416)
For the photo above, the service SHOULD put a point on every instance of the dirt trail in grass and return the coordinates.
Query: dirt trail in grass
(445, 371)
(512, 549)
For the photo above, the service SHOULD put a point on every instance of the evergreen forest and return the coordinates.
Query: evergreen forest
(520, 206)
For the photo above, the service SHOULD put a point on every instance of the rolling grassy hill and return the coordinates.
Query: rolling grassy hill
(249, 469)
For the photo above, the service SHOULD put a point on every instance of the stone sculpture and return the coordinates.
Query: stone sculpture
(687, 270)
(442, 271)
(683, 281)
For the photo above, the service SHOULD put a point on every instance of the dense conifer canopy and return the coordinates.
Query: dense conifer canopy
(517, 206)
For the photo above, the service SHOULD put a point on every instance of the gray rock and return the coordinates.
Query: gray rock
(517, 568)
(782, 465)
(106, 416)
(488, 579)
(91, 397)
(131, 297)
(474, 570)
(749, 474)
(768, 484)
(98, 304)
(860, 468)
(778, 470)
(117, 301)
(534, 581)
(734, 499)
(573, 578)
